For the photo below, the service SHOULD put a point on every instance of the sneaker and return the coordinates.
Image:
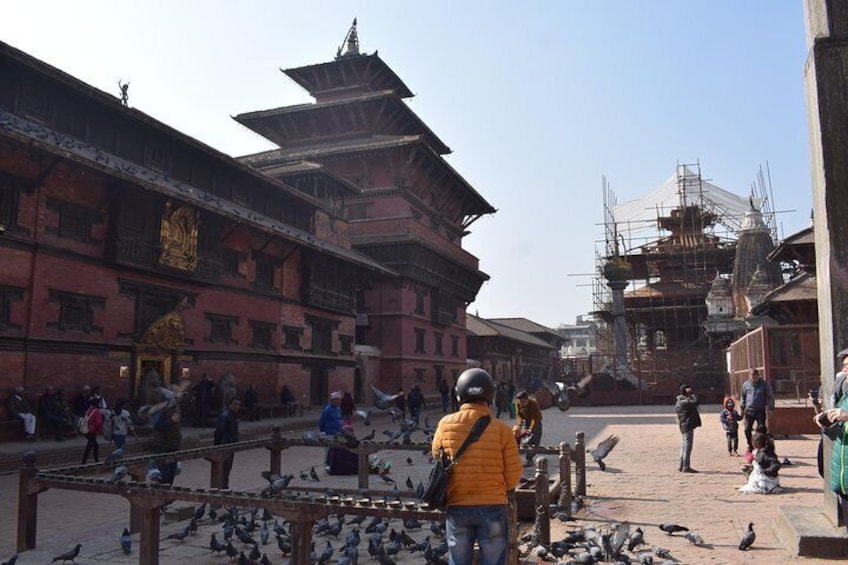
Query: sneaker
(689, 470)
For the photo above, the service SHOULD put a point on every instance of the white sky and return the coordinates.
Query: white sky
(537, 100)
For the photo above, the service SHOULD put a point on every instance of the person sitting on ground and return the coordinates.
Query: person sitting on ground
(764, 474)
(64, 410)
(18, 407)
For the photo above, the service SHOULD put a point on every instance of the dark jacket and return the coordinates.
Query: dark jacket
(227, 428)
(687, 413)
(757, 397)
(415, 399)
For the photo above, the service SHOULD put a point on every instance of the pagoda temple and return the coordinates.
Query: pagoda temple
(406, 208)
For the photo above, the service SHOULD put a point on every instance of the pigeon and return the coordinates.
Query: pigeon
(617, 537)
(636, 539)
(264, 560)
(215, 545)
(230, 550)
(369, 436)
(264, 534)
(603, 449)
(382, 400)
(645, 558)
(419, 490)
(388, 479)
(673, 528)
(199, 511)
(694, 538)
(242, 559)
(254, 554)
(192, 526)
(365, 415)
(327, 554)
(72, 554)
(126, 541)
(409, 461)
(11, 561)
(662, 552)
(408, 483)
(747, 540)
(313, 475)
(181, 535)
(118, 474)
(114, 457)
(412, 524)
(154, 475)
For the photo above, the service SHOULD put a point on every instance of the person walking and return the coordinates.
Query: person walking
(528, 424)
(444, 392)
(501, 399)
(415, 400)
(227, 431)
(330, 422)
(400, 403)
(347, 408)
(48, 411)
(489, 468)
(688, 419)
(122, 424)
(729, 419)
(167, 437)
(95, 424)
(757, 397)
(510, 399)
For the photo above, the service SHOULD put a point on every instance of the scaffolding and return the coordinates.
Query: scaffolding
(671, 243)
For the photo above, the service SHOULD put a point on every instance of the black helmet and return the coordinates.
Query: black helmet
(475, 384)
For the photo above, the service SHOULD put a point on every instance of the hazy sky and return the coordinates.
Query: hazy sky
(537, 100)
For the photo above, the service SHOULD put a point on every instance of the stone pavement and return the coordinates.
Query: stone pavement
(641, 485)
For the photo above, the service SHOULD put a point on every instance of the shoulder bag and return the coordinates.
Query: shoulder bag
(436, 492)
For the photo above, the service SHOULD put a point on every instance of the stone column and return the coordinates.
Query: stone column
(827, 112)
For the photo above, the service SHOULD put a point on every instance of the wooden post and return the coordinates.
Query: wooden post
(363, 466)
(301, 536)
(138, 475)
(512, 514)
(148, 543)
(27, 504)
(579, 464)
(543, 502)
(565, 478)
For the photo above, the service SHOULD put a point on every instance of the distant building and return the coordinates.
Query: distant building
(581, 343)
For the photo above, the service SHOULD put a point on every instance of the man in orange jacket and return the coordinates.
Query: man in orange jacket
(528, 423)
(489, 467)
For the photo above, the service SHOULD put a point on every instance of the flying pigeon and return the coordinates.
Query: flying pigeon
(126, 541)
(604, 448)
(381, 399)
(364, 414)
(748, 539)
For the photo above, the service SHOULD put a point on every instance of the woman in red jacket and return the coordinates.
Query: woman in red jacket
(95, 425)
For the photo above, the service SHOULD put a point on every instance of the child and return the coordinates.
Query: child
(730, 419)
(764, 475)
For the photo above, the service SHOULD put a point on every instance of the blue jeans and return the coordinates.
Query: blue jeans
(487, 525)
(686, 449)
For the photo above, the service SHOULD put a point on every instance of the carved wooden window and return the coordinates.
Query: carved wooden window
(439, 337)
(157, 159)
(454, 346)
(262, 334)
(8, 295)
(221, 328)
(9, 198)
(76, 311)
(291, 337)
(346, 342)
(35, 104)
(419, 375)
(265, 271)
(74, 221)
(322, 333)
(419, 302)
(419, 340)
(233, 260)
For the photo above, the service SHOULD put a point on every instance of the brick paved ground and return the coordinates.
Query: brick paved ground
(641, 485)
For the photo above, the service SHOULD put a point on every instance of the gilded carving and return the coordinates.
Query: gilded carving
(168, 331)
(178, 237)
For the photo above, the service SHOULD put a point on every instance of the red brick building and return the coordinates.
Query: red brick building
(411, 213)
(128, 246)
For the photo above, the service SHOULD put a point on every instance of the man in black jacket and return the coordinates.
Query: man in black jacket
(688, 418)
(227, 431)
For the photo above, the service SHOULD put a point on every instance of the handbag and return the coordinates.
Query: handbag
(435, 495)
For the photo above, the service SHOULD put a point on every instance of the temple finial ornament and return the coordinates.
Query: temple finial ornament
(350, 45)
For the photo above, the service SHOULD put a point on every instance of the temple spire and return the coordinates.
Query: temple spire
(350, 43)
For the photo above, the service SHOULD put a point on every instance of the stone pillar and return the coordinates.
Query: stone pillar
(827, 114)
(579, 464)
(543, 503)
(564, 502)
